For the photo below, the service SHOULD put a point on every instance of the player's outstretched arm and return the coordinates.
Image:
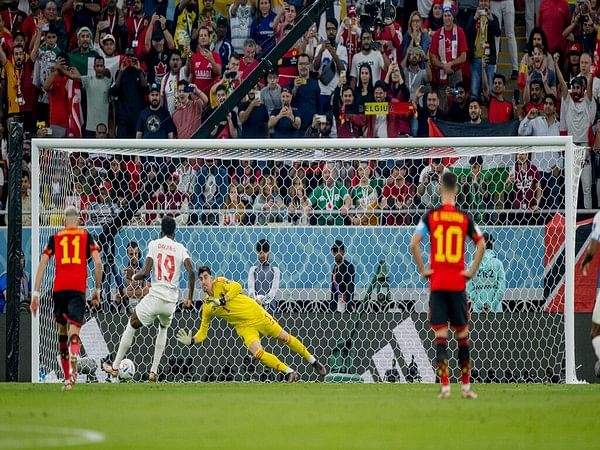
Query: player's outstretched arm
(589, 255)
(35, 294)
(98, 277)
(191, 283)
(187, 338)
(145, 271)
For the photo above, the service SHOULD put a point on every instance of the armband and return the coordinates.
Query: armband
(35, 294)
(98, 291)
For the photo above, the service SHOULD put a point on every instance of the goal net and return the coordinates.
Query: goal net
(338, 215)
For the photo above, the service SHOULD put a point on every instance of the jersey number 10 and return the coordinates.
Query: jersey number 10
(448, 243)
(165, 269)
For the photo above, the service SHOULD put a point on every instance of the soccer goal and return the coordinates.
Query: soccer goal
(338, 215)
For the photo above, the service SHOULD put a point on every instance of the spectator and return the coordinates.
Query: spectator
(431, 111)
(331, 57)
(222, 44)
(474, 111)
(44, 57)
(429, 182)
(330, 198)
(434, 11)
(342, 280)
(248, 60)
(186, 26)
(349, 122)
(499, 108)
(137, 27)
(241, 18)
(578, 112)
(254, 116)
(363, 90)
(24, 291)
(263, 278)
(533, 97)
(572, 64)
(13, 17)
(170, 82)
(119, 182)
(523, 185)
(415, 38)
(84, 51)
(154, 122)
(269, 205)
(284, 20)
(227, 128)
(415, 77)
(204, 67)
(305, 94)
(20, 91)
(486, 289)
(102, 209)
(459, 106)
(481, 30)
(270, 95)
(262, 28)
(234, 207)
(208, 18)
(364, 197)
(187, 116)
(209, 191)
(97, 89)
(377, 61)
(187, 176)
(320, 126)
(158, 45)
(297, 202)
(111, 21)
(50, 17)
(553, 18)
(56, 86)
(30, 22)
(130, 292)
(349, 34)
(108, 49)
(505, 11)
(538, 71)
(474, 192)
(128, 91)
(586, 68)
(531, 15)
(26, 199)
(448, 53)
(285, 122)
(230, 79)
(397, 197)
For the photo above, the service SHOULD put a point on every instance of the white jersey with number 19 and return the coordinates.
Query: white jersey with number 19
(167, 257)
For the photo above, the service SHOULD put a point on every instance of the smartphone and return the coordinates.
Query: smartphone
(257, 95)
(322, 119)
(188, 89)
(517, 96)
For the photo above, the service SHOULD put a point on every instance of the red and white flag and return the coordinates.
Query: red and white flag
(76, 115)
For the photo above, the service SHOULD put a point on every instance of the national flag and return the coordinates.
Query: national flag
(76, 115)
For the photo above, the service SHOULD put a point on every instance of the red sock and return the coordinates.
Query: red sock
(75, 345)
(443, 372)
(65, 362)
(464, 360)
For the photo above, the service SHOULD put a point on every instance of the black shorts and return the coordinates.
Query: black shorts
(448, 306)
(69, 306)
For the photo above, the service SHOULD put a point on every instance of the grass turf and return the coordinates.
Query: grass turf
(302, 416)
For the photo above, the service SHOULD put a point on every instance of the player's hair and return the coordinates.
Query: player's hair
(133, 244)
(449, 181)
(204, 269)
(168, 226)
(71, 211)
(263, 245)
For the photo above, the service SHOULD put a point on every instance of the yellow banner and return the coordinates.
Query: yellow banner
(376, 108)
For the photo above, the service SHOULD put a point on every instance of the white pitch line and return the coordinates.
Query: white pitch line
(36, 436)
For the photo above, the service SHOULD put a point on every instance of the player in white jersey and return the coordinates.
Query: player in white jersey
(589, 255)
(165, 259)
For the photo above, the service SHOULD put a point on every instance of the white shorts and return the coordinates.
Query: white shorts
(151, 308)
(596, 312)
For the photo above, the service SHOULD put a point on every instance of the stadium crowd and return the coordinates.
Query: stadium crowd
(157, 69)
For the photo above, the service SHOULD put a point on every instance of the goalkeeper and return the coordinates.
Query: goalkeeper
(486, 288)
(224, 299)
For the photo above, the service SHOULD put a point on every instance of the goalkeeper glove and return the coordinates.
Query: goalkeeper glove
(185, 337)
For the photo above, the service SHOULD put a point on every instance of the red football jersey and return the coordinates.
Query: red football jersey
(448, 228)
(71, 247)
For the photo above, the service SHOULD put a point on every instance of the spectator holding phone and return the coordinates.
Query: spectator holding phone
(254, 116)
(129, 91)
(190, 104)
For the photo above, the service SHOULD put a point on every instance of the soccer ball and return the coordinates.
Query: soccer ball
(126, 370)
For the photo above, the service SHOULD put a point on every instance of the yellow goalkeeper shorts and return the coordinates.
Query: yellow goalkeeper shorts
(265, 327)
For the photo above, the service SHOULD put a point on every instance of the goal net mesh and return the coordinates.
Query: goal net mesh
(310, 199)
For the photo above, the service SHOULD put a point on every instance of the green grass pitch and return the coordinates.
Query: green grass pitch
(241, 416)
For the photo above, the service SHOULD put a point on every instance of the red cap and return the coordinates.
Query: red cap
(352, 11)
(575, 48)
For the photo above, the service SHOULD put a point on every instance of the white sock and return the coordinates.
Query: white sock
(159, 348)
(596, 345)
(466, 387)
(124, 345)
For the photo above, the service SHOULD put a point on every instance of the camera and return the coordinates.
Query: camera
(188, 89)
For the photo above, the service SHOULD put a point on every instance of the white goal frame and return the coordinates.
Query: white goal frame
(399, 147)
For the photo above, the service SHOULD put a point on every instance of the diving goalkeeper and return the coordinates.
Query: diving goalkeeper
(224, 299)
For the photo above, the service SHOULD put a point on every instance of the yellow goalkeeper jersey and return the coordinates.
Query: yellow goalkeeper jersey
(239, 310)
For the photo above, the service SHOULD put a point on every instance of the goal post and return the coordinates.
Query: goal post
(301, 241)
